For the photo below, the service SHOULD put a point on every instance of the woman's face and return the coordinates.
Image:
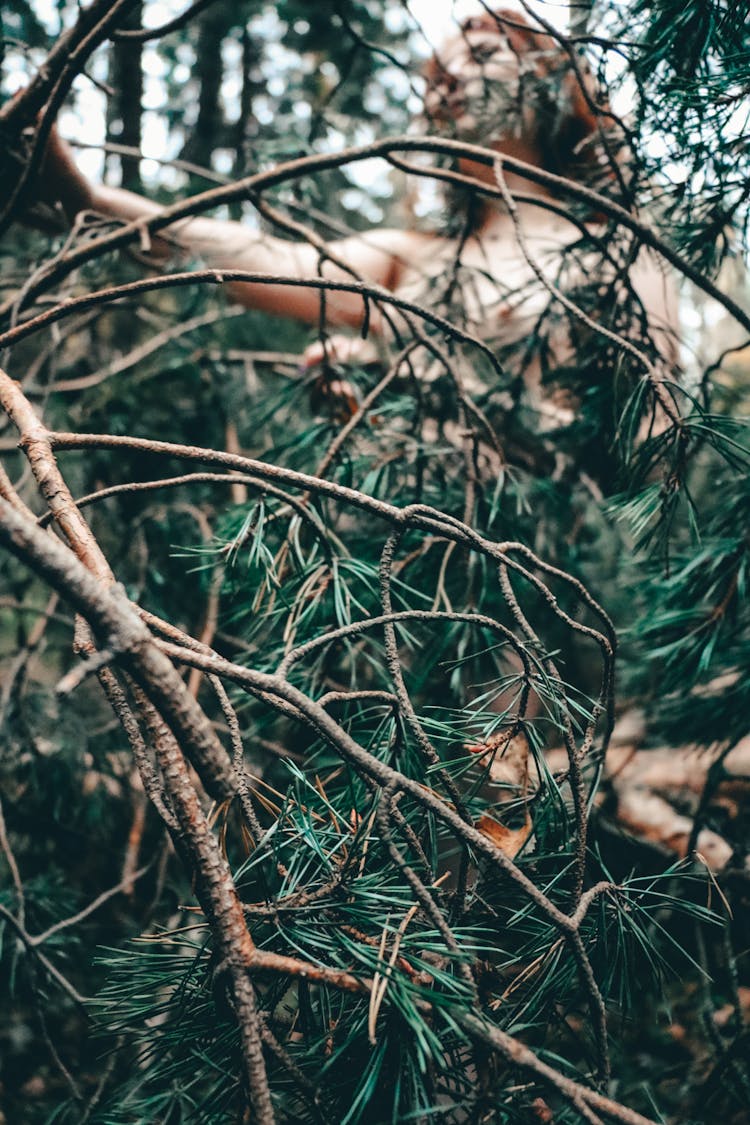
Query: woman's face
(477, 79)
(499, 83)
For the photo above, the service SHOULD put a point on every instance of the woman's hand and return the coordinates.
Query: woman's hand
(339, 350)
(339, 395)
(59, 179)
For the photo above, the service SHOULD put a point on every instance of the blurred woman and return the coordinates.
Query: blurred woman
(502, 84)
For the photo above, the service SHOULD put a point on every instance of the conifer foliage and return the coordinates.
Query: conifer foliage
(310, 807)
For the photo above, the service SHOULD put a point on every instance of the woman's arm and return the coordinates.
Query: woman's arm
(224, 244)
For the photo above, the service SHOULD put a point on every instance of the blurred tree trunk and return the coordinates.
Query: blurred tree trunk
(209, 131)
(246, 126)
(125, 108)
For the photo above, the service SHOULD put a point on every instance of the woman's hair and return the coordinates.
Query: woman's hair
(498, 77)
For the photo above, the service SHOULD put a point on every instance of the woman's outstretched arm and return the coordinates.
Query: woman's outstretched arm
(225, 244)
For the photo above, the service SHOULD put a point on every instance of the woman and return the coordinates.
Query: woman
(512, 89)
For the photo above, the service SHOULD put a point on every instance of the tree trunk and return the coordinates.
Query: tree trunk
(125, 108)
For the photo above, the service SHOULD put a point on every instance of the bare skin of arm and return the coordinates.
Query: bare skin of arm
(374, 256)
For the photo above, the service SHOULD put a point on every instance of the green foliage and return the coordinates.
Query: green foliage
(634, 483)
(690, 64)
